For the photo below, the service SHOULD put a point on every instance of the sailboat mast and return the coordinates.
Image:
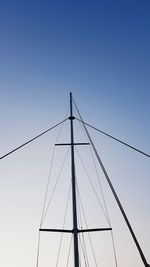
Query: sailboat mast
(75, 231)
(74, 204)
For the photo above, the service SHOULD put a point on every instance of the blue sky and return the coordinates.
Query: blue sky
(97, 49)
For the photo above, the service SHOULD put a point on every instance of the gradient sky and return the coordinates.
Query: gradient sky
(99, 50)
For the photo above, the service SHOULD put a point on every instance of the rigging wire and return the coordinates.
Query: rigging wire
(93, 187)
(46, 192)
(106, 209)
(104, 202)
(69, 252)
(97, 175)
(107, 217)
(47, 187)
(87, 226)
(49, 176)
(54, 188)
(114, 138)
(84, 251)
(38, 250)
(44, 214)
(79, 223)
(31, 140)
(103, 198)
(115, 195)
(100, 186)
(108, 135)
(45, 198)
(66, 209)
(83, 247)
(114, 248)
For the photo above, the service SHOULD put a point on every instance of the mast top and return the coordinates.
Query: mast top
(71, 117)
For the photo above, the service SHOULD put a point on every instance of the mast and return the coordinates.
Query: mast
(74, 203)
(75, 231)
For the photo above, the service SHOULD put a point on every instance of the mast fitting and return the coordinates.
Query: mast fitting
(71, 118)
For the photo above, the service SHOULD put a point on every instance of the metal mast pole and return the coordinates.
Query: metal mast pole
(74, 205)
(75, 231)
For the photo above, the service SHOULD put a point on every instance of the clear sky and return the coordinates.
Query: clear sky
(99, 50)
